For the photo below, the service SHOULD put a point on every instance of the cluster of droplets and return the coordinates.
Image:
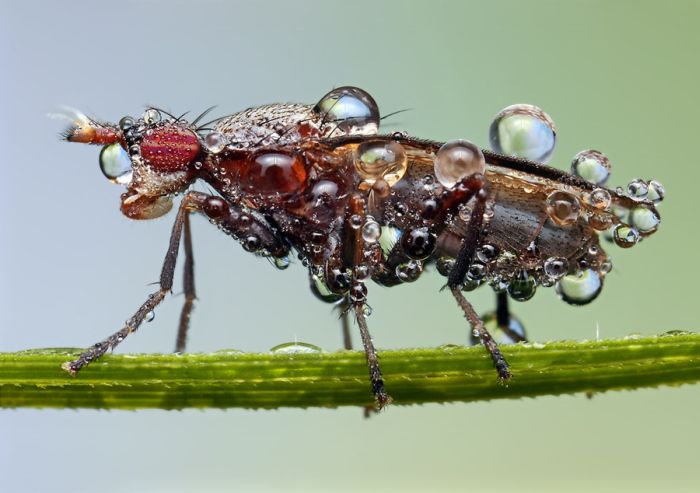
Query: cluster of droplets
(527, 132)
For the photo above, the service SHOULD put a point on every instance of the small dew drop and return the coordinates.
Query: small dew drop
(215, 142)
(625, 236)
(281, 262)
(409, 271)
(149, 317)
(296, 348)
(638, 189)
(599, 198)
(656, 192)
(592, 166)
(556, 267)
(151, 116)
(371, 231)
(563, 208)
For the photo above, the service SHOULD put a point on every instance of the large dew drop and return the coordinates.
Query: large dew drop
(525, 131)
(350, 110)
(456, 160)
(580, 289)
(115, 164)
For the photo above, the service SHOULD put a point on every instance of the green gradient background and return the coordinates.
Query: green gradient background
(619, 76)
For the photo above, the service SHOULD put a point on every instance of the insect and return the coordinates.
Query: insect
(319, 181)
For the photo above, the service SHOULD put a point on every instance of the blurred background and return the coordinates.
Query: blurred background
(618, 76)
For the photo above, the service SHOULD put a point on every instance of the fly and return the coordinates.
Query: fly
(320, 182)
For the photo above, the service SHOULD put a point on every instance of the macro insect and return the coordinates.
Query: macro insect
(319, 181)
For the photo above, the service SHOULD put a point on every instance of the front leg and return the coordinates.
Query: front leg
(255, 234)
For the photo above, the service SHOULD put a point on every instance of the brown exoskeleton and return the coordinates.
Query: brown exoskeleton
(355, 206)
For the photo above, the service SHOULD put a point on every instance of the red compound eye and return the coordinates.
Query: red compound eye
(170, 148)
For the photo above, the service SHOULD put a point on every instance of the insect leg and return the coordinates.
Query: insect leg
(352, 250)
(166, 282)
(503, 318)
(344, 308)
(188, 288)
(463, 261)
(255, 234)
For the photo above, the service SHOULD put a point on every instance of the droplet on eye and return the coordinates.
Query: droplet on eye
(563, 208)
(115, 164)
(525, 131)
(592, 166)
(377, 159)
(580, 289)
(456, 160)
(350, 110)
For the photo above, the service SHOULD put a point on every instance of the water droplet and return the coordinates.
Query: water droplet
(149, 316)
(580, 289)
(656, 192)
(444, 265)
(487, 253)
(377, 159)
(361, 272)
(599, 222)
(638, 189)
(321, 290)
(409, 271)
(367, 310)
(599, 198)
(592, 166)
(355, 221)
(523, 287)
(126, 123)
(456, 160)
(116, 164)
(358, 293)
(349, 110)
(251, 243)
(296, 348)
(215, 142)
(513, 333)
(470, 284)
(525, 131)
(556, 267)
(563, 208)
(605, 267)
(476, 271)
(371, 231)
(281, 262)
(625, 236)
(151, 116)
(419, 243)
(644, 219)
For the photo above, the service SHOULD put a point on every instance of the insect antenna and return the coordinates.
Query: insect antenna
(202, 115)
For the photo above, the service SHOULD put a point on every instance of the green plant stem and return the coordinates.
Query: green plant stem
(446, 374)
